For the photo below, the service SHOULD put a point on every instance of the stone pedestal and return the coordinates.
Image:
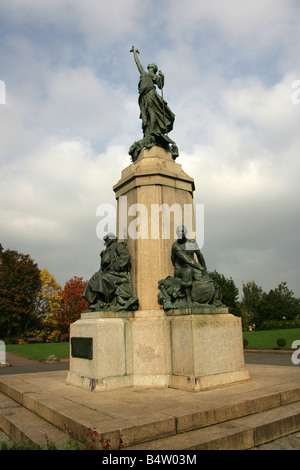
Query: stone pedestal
(190, 349)
(151, 183)
(206, 348)
(129, 349)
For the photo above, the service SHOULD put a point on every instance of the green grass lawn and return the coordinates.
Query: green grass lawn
(267, 339)
(40, 351)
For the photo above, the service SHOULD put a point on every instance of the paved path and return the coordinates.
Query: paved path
(270, 358)
(22, 365)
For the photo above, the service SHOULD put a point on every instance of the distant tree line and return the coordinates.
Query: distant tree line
(277, 309)
(34, 304)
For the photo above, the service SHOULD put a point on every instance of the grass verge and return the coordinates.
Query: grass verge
(267, 339)
(40, 351)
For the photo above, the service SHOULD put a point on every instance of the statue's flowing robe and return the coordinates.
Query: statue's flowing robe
(156, 116)
(113, 277)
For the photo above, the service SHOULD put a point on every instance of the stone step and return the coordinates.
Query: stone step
(163, 418)
(21, 424)
(56, 410)
(238, 434)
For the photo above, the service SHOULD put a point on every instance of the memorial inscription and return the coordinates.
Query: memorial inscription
(82, 347)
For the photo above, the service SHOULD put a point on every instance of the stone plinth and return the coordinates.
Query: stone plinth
(190, 349)
(149, 183)
(207, 348)
(130, 349)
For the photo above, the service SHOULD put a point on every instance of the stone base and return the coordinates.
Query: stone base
(191, 349)
(130, 349)
(198, 383)
(207, 349)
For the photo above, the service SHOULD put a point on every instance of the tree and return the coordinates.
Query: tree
(252, 295)
(72, 304)
(19, 286)
(278, 304)
(48, 303)
(228, 293)
(48, 300)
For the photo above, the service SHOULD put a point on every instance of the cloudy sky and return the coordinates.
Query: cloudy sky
(71, 114)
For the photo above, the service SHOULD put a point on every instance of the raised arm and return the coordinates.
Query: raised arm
(137, 61)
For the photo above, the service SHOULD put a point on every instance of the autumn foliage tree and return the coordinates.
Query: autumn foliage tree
(72, 304)
(48, 303)
(20, 283)
(49, 295)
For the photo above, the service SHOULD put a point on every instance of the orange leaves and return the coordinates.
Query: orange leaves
(72, 303)
(33, 299)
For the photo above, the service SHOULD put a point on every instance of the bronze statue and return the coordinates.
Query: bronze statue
(155, 114)
(110, 288)
(192, 284)
(157, 118)
(186, 267)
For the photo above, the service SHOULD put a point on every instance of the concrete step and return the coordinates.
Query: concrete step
(52, 409)
(238, 434)
(21, 424)
(233, 417)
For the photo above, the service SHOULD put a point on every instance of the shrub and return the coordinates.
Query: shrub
(281, 342)
(280, 324)
(245, 342)
(10, 340)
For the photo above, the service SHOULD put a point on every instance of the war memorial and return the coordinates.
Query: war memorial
(157, 360)
(155, 318)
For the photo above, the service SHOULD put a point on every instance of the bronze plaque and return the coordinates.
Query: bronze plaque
(82, 347)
